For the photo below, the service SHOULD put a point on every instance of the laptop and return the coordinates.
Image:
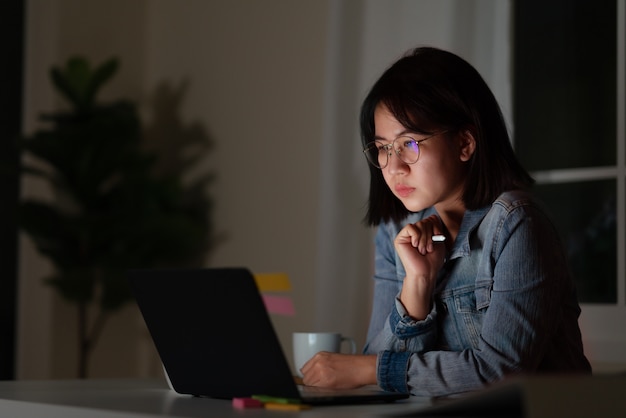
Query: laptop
(215, 338)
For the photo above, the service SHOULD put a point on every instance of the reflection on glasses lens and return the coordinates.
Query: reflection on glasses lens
(408, 150)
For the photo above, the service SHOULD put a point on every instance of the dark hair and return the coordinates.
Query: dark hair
(430, 90)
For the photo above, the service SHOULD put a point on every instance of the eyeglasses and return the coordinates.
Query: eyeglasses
(406, 148)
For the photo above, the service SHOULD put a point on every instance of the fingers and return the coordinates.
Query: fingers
(420, 234)
(338, 370)
(317, 371)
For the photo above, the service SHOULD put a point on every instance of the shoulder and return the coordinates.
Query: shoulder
(518, 210)
(519, 204)
(513, 199)
(510, 207)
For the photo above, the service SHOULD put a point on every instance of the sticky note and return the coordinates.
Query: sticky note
(286, 406)
(242, 403)
(281, 305)
(274, 399)
(275, 282)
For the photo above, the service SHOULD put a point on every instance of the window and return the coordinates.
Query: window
(569, 132)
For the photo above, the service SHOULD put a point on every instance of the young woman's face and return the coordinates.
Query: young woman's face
(437, 178)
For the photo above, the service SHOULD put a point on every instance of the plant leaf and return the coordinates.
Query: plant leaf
(100, 76)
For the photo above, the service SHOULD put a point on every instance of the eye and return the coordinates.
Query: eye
(408, 143)
(383, 148)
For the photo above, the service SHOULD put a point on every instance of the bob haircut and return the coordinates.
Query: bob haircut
(429, 90)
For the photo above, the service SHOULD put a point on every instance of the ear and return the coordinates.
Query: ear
(467, 145)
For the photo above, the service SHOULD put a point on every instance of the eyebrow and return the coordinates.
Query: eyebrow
(403, 133)
(406, 132)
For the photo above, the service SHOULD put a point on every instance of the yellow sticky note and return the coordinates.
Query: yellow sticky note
(274, 282)
(286, 406)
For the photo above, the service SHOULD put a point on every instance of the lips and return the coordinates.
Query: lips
(404, 191)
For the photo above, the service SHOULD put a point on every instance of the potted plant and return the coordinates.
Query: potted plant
(111, 211)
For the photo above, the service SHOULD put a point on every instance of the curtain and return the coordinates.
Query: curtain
(364, 38)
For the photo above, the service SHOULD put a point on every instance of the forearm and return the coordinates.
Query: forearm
(416, 296)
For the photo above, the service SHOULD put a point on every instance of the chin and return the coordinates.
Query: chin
(414, 206)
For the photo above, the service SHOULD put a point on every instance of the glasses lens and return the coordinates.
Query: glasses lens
(405, 147)
(377, 154)
(408, 149)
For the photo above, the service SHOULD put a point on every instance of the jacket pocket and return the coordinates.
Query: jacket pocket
(483, 294)
(470, 306)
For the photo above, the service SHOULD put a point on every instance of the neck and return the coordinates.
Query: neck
(451, 218)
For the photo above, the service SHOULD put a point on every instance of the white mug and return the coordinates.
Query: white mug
(307, 344)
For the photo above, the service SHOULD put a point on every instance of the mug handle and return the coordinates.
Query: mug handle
(352, 344)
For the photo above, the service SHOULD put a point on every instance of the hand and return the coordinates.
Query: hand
(339, 371)
(422, 259)
(414, 245)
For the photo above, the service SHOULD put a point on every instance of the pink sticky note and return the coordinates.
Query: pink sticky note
(242, 403)
(281, 305)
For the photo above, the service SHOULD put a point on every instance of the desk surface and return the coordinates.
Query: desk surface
(126, 398)
(530, 397)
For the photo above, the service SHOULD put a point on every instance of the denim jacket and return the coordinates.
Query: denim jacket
(504, 303)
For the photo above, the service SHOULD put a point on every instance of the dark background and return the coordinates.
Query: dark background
(11, 66)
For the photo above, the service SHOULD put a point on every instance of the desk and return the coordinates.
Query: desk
(528, 397)
(131, 398)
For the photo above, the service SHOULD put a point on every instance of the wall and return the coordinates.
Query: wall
(275, 86)
(247, 74)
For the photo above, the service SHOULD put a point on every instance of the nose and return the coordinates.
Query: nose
(395, 163)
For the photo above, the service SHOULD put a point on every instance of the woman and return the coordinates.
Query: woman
(495, 298)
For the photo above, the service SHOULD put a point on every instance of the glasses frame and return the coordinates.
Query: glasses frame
(398, 152)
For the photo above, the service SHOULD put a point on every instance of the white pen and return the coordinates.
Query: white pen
(438, 238)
